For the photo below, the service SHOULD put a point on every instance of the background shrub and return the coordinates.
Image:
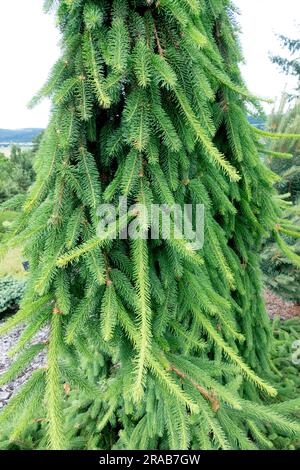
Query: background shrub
(11, 291)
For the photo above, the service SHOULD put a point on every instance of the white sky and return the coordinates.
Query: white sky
(29, 47)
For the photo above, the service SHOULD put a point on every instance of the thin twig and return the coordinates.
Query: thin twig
(160, 49)
(210, 396)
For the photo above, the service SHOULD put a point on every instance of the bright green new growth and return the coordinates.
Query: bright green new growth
(159, 346)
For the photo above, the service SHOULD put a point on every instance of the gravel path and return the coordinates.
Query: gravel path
(6, 343)
(277, 306)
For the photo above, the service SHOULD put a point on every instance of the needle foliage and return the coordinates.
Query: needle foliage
(161, 346)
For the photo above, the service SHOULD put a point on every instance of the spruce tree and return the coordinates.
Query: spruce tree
(165, 347)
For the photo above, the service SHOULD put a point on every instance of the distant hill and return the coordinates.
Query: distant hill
(257, 122)
(24, 136)
(17, 136)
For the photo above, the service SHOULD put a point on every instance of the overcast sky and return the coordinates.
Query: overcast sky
(29, 47)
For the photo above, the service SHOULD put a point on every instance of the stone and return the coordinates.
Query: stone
(4, 395)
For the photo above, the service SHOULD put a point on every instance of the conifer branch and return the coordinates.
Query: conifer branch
(54, 388)
(210, 396)
(141, 275)
(274, 135)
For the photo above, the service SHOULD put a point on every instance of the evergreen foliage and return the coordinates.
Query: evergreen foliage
(285, 357)
(281, 261)
(148, 102)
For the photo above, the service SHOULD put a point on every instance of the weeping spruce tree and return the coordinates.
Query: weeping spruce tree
(152, 345)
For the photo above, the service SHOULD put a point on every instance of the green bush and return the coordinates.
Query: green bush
(280, 273)
(11, 292)
(280, 266)
(285, 358)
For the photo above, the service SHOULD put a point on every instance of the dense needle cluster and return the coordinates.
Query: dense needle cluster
(164, 347)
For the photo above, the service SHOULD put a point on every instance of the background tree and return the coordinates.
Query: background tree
(289, 65)
(281, 273)
(148, 103)
(17, 173)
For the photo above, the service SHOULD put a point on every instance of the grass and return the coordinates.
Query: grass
(6, 218)
(11, 264)
(5, 151)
